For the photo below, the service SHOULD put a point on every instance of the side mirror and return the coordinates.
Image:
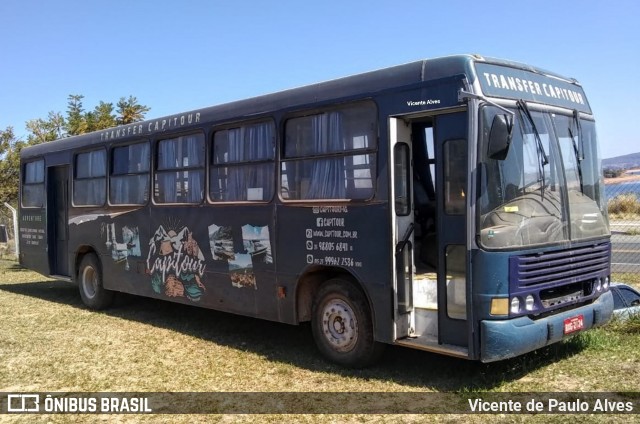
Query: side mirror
(500, 136)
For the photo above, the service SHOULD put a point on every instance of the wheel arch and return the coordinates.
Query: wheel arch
(80, 253)
(311, 280)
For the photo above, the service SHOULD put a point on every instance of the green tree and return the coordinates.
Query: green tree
(103, 117)
(7, 139)
(76, 119)
(612, 172)
(129, 111)
(9, 166)
(41, 131)
(56, 126)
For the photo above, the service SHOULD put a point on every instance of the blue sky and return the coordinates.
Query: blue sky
(176, 56)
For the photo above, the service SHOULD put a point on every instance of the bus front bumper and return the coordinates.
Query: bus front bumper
(506, 339)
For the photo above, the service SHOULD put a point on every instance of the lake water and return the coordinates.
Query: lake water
(612, 190)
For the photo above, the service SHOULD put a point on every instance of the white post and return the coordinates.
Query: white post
(15, 229)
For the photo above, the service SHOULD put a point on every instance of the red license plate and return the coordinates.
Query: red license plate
(573, 324)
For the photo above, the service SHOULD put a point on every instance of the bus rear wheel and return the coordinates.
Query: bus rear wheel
(342, 325)
(92, 292)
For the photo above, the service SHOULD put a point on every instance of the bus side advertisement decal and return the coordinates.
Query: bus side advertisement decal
(256, 249)
(129, 244)
(176, 264)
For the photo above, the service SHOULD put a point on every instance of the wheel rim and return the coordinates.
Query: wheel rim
(89, 282)
(339, 325)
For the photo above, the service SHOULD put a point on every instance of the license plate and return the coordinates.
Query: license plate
(573, 324)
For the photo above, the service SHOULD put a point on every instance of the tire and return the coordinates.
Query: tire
(92, 292)
(342, 325)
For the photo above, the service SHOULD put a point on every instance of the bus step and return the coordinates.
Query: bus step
(423, 344)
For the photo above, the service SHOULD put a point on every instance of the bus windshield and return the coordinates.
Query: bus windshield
(548, 188)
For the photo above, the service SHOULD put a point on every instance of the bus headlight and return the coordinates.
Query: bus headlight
(529, 303)
(599, 284)
(515, 305)
(606, 283)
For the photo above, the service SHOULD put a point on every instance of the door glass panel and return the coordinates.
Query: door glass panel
(431, 153)
(456, 281)
(455, 176)
(401, 179)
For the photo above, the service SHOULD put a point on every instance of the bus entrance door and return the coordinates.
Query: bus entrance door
(430, 233)
(400, 132)
(57, 220)
(450, 142)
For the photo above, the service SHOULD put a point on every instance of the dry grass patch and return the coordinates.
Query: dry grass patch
(50, 342)
(624, 206)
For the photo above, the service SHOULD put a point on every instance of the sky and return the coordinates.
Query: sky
(177, 56)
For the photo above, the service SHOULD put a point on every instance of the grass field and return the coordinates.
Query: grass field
(50, 342)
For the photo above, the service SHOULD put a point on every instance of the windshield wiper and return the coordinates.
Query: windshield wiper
(544, 159)
(579, 153)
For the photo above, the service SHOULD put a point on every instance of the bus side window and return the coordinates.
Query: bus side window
(130, 174)
(330, 155)
(242, 166)
(33, 184)
(180, 169)
(90, 178)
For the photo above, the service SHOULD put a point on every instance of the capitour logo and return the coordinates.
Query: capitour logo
(512, 83)
(158, 125)
(176, 264)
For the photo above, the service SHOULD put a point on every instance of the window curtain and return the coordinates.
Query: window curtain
(119, 190)
(96, 186)
(139, 190)
(34, 172)
(97, 164)
(118, 186)
(33, 184)
(260, 147)
(327, 175)
(167, 179)
(248, 144)
(195, 155)
(129, 183)
(236, 185)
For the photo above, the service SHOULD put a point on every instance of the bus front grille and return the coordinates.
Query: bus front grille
(560, 267)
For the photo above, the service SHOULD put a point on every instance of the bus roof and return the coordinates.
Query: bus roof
(365, 84)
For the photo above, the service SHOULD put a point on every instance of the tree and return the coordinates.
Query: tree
(81, 122)
(129, 111)
(42, 131)
(7, 139)
(9, 166)
(612, 172)
(103, 117)
(76, 120)
(55, 127)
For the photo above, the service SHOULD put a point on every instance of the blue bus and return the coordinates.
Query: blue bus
(453, 205)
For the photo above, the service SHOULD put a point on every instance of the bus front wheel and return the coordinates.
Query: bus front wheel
(342, 325)
(92, 292)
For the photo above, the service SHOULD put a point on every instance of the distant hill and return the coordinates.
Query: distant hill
(623, 162)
